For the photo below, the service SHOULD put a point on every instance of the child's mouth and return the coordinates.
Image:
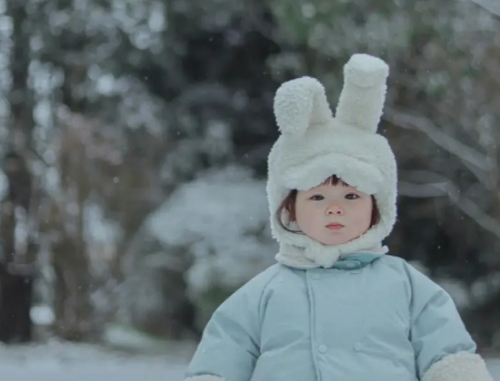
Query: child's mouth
(334, 226)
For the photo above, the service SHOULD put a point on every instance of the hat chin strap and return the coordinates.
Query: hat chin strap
(301, 251)
(294, 256)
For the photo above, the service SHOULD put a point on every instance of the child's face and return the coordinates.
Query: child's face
(333, 214)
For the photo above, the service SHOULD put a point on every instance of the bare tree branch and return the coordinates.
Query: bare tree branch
(420, 190)
(482, 175)
(491, 5)
(477, 162)
(447, 188)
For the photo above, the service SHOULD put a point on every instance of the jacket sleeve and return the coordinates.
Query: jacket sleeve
(230, 345)
(444, 350)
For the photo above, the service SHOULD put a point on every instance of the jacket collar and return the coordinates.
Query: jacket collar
(355, 261)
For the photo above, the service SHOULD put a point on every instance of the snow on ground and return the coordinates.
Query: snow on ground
(58, 361)
(494, 367)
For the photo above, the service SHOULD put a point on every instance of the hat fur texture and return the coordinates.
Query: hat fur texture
(315, 145)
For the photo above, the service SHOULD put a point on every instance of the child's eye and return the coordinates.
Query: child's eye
(317, 197)
(351, 196)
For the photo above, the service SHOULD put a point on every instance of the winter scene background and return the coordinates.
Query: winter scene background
(133, 143)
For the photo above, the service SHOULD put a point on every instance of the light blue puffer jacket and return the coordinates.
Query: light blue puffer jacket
(369, 318)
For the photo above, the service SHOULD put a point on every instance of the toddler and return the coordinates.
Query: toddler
(336, 306)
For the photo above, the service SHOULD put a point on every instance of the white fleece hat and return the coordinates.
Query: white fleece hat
(315, 145)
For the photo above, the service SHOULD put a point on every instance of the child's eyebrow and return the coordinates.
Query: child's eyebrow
(354, 190)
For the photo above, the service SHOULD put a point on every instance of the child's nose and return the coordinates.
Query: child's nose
(334, 209)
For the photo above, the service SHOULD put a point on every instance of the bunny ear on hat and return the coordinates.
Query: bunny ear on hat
(363, 95)
(300, 103)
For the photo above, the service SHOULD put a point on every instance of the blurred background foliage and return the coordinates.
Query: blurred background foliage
(135, 135)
